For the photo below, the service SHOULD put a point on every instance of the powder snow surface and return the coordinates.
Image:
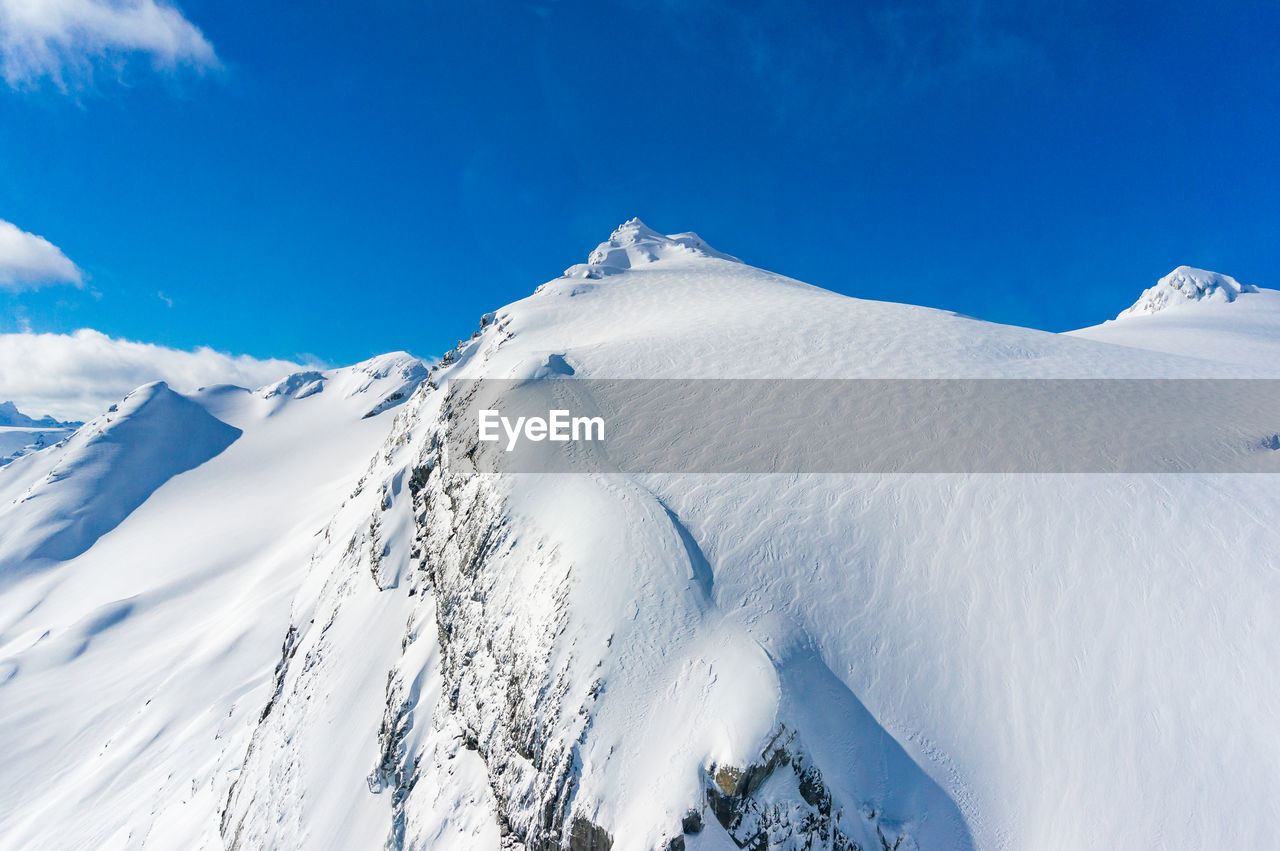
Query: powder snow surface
(989, 661)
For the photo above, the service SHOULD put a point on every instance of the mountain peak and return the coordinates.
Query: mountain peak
(11, 416)
(634, 244)
(1188, 285)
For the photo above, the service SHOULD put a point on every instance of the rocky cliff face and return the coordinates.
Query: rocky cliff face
(478, 676)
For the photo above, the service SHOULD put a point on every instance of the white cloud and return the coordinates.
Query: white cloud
(28, 261)
(64, 40)
(77, 376)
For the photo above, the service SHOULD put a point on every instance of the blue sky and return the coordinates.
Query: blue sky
(336, 180)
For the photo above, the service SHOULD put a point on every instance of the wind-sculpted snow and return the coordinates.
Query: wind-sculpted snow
(414, 654)
(58, 503)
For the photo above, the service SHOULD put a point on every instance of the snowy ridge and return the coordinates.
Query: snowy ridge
(1184, 286)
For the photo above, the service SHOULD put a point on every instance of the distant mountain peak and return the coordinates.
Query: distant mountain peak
(634, 244)
(11, 416)
(1188, 285)
(390, 378)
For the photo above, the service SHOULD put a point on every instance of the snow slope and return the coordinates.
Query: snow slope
(16, 441)
(130, 673)
(370, 645)
(83, 488)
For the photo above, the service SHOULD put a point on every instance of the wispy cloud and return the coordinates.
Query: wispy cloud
(65, 40)
(28, 261)
(76, 376)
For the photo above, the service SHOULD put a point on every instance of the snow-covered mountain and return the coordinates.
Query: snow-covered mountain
(1199, 314)
(322, 628)
(11, 417)
(1185, 286)
(20, 434)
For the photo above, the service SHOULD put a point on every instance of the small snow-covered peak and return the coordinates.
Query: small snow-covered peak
(633, 244)
(96, 477)
(388, 380)
(149, 397)
(383, 381)
(11, 416)
(146, 392)
(151, 409)
(298, 385)
(1188, 285)
(631, 232)
(392, 363)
